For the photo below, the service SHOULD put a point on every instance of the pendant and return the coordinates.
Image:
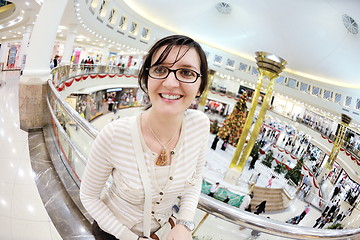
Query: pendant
(162, 159)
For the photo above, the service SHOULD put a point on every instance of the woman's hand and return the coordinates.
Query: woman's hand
(179, 232)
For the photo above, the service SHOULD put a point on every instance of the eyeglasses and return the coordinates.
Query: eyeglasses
(181, 74)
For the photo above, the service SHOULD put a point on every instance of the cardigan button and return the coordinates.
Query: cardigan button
(161, 193)
(171, 178)
(157, 202)
(152, 212)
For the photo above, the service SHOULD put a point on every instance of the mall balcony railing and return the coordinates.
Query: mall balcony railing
(73, 135)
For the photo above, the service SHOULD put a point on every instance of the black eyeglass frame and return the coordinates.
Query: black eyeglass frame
(174, 71)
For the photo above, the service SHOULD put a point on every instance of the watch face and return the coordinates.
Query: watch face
(191, 226)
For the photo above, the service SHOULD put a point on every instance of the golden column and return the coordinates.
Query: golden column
(204, 95)
(269, 67)
(339, 140)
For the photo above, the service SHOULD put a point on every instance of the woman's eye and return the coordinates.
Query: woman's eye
(160, 69)
(187, 73)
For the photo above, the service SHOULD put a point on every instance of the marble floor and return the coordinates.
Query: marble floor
(23, 214)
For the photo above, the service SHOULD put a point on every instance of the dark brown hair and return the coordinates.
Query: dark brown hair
(170, 42)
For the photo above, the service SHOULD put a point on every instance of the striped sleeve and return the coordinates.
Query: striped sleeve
(97, 172)
(198, 132)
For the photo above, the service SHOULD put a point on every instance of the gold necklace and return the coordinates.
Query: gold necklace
(162, 159)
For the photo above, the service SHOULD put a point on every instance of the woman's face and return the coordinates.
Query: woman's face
(169, 96)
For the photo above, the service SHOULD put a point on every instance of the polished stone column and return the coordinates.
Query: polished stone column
(24, 45)
(339, 140)
(269, 67)
(69, 44)
(204, 95)
(33, 85)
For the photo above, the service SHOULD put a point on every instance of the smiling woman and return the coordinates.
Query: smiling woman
(163, 147)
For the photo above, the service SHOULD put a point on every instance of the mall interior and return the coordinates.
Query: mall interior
(288, 134)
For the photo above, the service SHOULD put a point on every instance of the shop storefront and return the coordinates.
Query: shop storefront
(11, 58)
(288, 107)
(319, 123)
(349, 188)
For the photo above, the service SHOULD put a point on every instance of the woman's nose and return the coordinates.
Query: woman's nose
(171, 81)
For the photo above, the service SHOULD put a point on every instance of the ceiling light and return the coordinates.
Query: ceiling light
(223, 8)
(350, 24)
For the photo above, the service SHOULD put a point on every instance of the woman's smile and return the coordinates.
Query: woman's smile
(170, 96)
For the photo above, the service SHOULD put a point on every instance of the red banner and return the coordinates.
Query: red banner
(102, 76)
(61, 87)
(69, 83)
(315, 183)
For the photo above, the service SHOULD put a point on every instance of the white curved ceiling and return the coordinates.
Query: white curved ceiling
(309, 34)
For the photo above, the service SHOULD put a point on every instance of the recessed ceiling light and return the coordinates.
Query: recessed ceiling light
(27, 3)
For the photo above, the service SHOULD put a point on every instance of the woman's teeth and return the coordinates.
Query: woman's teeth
(171, 97)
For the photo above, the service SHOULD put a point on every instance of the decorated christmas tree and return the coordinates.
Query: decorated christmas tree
(234, 123)
(267, 161)
(295, 173)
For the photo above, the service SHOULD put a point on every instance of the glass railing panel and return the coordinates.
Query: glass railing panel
(73, 159)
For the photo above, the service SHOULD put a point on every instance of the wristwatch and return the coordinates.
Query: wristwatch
(188, 224)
